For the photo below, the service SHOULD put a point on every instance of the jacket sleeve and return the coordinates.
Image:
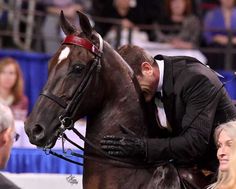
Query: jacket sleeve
(199, 95)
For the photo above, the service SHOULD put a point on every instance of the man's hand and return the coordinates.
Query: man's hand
(125, 146)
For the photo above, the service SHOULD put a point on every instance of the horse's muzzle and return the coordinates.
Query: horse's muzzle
(36, 134)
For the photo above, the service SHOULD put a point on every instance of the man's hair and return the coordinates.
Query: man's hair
(135, 56)
(6, 117)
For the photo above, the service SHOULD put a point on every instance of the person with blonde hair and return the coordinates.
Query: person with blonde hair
(12, 88)
(225, 137)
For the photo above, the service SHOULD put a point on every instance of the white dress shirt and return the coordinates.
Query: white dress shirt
(158, 102)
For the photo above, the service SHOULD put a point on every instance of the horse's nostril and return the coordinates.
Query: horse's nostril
(37, 129)
(38, 132)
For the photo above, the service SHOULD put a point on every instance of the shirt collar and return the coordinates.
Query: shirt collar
(160, 64)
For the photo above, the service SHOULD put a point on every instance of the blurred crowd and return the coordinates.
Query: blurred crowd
(184, 24)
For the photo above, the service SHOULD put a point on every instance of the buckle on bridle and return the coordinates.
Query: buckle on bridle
(66, 123)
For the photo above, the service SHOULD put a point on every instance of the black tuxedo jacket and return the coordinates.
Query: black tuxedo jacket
(195, 102)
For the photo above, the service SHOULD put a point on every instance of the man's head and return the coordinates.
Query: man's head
(144, 67)
(7, 131)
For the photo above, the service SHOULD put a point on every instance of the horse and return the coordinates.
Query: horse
(87, 77)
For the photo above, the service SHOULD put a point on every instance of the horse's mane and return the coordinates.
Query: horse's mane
(130, 71)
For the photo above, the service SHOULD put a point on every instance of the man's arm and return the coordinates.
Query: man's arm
(201, 102)
(199, 95)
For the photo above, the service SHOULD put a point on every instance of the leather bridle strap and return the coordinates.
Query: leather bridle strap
(65, 158)
(118, 162)
(74, 103)
(54, 98)
(82, 42)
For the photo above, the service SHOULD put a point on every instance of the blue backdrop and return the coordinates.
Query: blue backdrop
(36, 161)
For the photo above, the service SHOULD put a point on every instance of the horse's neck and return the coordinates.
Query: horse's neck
(125, 110)
(122, 105)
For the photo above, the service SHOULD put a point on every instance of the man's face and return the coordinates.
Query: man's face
(6, 145)
(148, 80)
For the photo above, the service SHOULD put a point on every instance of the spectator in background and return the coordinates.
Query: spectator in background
(118, 9)
(7, 137)
(121, 9)
(12, 88)
(137, 12)
(129, 11)
(51, 29)
(179, 27)
(225, 137)
(219, 24)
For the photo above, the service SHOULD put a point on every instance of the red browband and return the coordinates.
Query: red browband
(75, 40)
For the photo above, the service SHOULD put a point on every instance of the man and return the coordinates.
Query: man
(193, 102)
(7, 136)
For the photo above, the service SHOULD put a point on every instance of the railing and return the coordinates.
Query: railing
(25, 40)
(17, 16)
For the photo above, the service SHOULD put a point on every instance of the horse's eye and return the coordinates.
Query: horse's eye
(78, 68)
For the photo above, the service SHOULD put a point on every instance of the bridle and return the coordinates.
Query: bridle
(67, 117)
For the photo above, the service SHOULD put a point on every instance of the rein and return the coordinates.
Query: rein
(113, 160)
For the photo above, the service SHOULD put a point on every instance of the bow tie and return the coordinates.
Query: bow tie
(158, 95)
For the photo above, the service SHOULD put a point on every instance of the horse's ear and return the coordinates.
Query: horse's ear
(66, 26)
(85, 24)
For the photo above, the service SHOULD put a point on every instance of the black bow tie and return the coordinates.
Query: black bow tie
(158, 95)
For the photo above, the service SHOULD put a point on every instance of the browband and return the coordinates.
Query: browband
(75, 40)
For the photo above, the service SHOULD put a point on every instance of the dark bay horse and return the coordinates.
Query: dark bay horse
(88, 78)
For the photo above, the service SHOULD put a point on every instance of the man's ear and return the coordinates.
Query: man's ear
(146, 68)
(4, 136)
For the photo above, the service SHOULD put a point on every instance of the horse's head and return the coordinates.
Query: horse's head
(73, 89)
(86, 78)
